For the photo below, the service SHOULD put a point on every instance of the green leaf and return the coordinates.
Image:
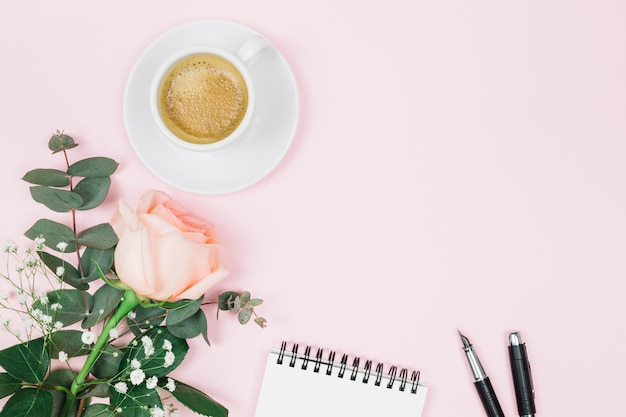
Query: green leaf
(176, 315)
(49, 177)
(59, 141)
(93, 167)
(53, 232)
(27, 361)
(100, 236)
(137, 402)
(190, 327)
(59, 378)
(68, 341)
(105, 299)
(28, 402)
(72, 302)
(108, 363)
(71, 274)
(226, 300)
(146, 317)
(198, 402)
(92, 259)
(8, 384)
(93, 191)
(57, 200)
(154, 364)
(244, 315)
(99, 410)
(101, 390)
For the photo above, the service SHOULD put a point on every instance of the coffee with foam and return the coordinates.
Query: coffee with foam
(203, 98)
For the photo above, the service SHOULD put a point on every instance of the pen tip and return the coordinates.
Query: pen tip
(465, 340)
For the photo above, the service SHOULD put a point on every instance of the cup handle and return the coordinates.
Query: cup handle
(251, 50)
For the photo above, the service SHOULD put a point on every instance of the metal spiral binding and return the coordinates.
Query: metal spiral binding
(318, 360)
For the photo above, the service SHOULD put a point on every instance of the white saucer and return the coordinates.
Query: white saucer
(240, 164)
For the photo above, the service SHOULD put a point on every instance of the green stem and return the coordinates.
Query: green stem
(129, 302)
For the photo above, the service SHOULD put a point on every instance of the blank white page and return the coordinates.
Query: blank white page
(293, 392)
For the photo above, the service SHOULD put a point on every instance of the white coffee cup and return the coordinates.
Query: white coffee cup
(242, 61)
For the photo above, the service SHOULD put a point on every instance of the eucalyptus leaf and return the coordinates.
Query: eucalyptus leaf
(49, 177)
(26, 361)
(8, 384)
(28, 402)
(93, 258)
(53, 232)
(68, 341)
(101, 390)
(244, 315)
(190, 327)
(57, 200)
(60, 141)
(254, 302)
(226, 300)
(59, 378)
(93, 167)
(70, 274)
(100, 236)
(105, 300)
(74, 305)
(187, 310)
(198, 402)
(146, 317)
(154, 363)
(93, 191)
(108, 362)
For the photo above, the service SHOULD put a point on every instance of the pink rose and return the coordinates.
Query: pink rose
(165, 253)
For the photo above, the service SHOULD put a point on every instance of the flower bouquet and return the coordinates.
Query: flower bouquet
(104, 313)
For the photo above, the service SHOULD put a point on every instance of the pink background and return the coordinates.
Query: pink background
(457, 165)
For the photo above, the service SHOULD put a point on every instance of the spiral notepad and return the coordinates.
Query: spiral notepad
(304, 384)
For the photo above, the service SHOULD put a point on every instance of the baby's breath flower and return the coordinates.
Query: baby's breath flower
(135, 364)
(148, 346)
(10, 246)
(46, 319)
(4, 296)
(28, 323)
(5, 322)
(121, 387)
(62, 246)
(131, 315)
(39, 241)
(137, 376)
(20, 267)
(171, 385)
(151, 382)
(157, 412)
(88, 337)
(113, 333)
(169, 359)
(63, 356)
(60, 271)
(58, 325)
(55, 306)
(21, 299)
(167, 345)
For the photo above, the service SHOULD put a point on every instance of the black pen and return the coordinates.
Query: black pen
(481, 381)
(520, 369)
